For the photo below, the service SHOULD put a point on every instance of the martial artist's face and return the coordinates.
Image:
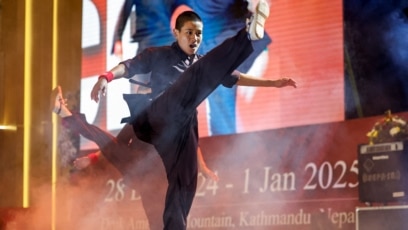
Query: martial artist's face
(189, 36)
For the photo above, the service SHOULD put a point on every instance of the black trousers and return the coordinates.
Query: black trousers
(138, 162)
(167, 124)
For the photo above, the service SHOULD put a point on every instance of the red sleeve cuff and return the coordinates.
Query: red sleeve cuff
(108, 76)
(93, 157)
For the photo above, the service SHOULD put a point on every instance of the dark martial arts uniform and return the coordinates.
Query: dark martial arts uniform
(138, 162)
(170, 121)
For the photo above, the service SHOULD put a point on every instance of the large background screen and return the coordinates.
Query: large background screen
(307, 45)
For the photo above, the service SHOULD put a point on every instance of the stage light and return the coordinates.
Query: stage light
(8, 127)
(28, 53)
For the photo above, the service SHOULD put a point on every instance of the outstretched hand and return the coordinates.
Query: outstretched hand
(98, 89)
(82, 162)
(208, 173)
(283, 82)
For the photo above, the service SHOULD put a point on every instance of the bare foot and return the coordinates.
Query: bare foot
(56, 100)
(58, 105)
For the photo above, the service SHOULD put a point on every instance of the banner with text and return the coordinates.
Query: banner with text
(292, 178)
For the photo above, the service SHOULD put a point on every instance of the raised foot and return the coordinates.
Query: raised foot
(257, 22)
(57, 100)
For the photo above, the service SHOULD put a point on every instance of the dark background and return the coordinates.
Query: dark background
(376, 57)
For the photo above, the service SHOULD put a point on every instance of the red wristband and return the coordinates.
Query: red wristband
(93, 157)
(108, 76)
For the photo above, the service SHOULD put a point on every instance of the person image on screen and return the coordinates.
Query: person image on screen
(223, 19)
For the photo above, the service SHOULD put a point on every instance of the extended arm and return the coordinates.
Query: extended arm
(248, 80)
(100, 86)
(120, 26)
